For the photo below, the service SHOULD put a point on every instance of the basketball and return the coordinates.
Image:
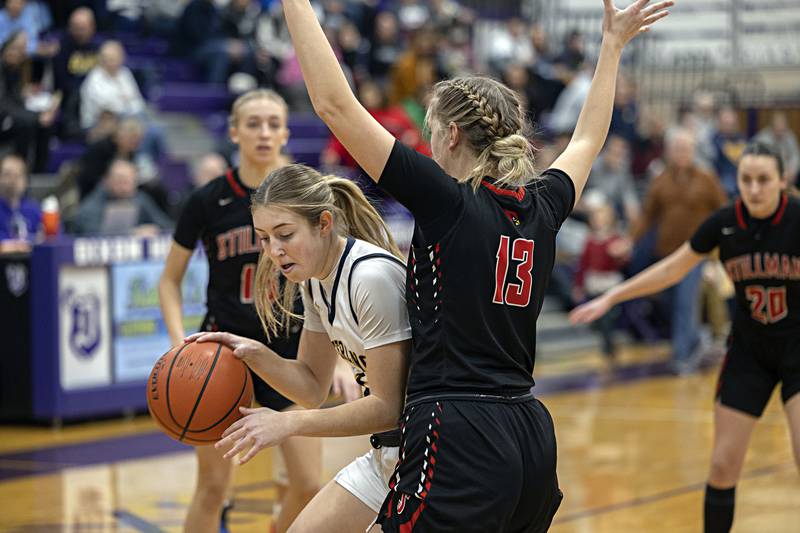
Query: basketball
(195, 390)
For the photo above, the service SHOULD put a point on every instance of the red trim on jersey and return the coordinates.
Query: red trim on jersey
(408, 527)
(237, 189)
(781, 210)
(740, 214)
(519, 194)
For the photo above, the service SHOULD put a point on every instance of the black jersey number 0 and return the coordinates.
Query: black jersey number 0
(246, 283)
(516, 294)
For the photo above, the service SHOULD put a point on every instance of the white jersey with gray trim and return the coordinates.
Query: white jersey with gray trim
(360, 305)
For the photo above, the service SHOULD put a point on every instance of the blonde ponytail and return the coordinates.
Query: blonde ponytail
(359, 218)
(307, 193)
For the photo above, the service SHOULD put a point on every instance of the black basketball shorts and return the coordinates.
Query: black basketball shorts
(286, 347)
(752, 368)
(474, 466)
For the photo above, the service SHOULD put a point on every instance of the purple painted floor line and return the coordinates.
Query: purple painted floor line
(53, 459)
(136, 522)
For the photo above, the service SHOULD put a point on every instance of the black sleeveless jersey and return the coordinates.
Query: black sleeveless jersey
(218, 215)
(476, 275)
(762, 258)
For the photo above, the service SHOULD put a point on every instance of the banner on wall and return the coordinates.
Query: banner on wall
(84, 332)
(140, 336)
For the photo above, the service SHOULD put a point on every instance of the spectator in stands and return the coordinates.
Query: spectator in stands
(784, 141)
(27, 131)
(118, 208)
(125, 15)
(201, 36)
(240, 19)
(600, 267)
(110, 86)
(612, 177)
(20, 217)
(160, 17)
(677, 202)
(574, 52)
(577, 78)
(412, 14)
(32, 18)
(354, 50)
(76, 57)
(386, 46)
(208, 167)
(729, 143)
(510, 44)
(625, 114)
(702, 121)
(124, 143)
(416, 67)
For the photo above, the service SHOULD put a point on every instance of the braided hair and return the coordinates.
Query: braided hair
(492, 119)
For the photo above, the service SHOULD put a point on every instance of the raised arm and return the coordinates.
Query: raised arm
(658, 277)
(619, 27)
(367, 141)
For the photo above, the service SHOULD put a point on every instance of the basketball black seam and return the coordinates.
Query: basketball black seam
(218, 422)
(169, 380)
(163, 424)
(202, 390)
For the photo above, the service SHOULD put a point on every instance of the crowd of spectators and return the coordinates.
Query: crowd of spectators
(63, 76)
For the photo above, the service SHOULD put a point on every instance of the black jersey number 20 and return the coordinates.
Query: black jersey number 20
(246, 283)
(767, 304)
(516, 294)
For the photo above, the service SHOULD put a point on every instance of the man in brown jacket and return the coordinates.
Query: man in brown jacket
(678, 201)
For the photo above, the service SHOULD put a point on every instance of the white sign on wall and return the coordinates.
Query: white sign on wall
(84, 330)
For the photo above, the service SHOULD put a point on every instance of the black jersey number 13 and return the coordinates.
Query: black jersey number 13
(516, 294)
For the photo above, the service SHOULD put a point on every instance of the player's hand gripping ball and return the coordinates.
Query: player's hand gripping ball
(195, 391)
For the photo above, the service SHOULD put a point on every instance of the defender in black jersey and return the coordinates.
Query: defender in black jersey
(478, 451)
(218, 216)
(759, 245)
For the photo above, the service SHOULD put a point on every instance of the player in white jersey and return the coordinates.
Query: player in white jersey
(321, 233)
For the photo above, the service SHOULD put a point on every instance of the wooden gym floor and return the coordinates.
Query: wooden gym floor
(634, 446)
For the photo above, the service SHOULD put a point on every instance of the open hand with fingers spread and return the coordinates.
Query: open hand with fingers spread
(622, 25)
(243, 348)
(590, 311)
(258, 429)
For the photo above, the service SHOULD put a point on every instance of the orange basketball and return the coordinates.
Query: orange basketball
(195, 391)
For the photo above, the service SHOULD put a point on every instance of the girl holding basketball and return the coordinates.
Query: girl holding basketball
(758, 244)
(478, 450)
(321, 233)
(218, 215)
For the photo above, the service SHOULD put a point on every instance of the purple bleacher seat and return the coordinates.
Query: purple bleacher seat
(61, 152)
(306, 151)
(147, 47)
(308, 125)
(177, 70)
(216, 124)
(174, 174)
(191, 97)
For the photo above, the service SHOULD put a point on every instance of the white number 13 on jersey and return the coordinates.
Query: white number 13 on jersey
(517, 294)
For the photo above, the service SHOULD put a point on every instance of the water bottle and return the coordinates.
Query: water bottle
(51, 218)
